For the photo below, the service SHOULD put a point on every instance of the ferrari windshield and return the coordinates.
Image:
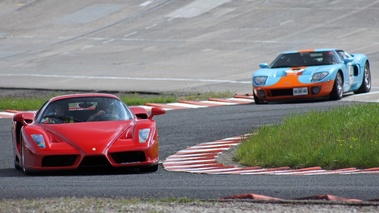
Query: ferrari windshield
(302, 59)
(84, 109)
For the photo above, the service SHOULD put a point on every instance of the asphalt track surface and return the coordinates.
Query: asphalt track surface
(177, 46)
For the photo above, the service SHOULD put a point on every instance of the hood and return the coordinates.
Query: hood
(90, 137)
(281, 72)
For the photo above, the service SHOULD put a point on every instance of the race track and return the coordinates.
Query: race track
(170, 46)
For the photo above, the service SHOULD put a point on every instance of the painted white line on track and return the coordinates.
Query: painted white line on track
(6, 115)
(146, 3)
(129, 34)
(209, 146)
(88, 46)
(241, 100)
(201, 150)
(185, 105)
(124, 78)
(218, 103)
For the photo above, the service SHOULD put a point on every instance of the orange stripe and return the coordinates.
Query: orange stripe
(306, 51)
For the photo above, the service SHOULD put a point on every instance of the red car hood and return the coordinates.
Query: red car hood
(89, 137)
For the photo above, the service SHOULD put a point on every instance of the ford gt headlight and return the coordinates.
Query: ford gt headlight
(260, 80)
(319, 76)
(39, 140)
(143, 135)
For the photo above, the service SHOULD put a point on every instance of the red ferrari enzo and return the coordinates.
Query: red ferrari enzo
(85, 130)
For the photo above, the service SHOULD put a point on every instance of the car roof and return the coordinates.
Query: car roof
(310, 50)
(83, 95)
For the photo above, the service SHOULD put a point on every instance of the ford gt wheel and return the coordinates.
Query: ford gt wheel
(366, 80)
(337, 91)
(257, 100)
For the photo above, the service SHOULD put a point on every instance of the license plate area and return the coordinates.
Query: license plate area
(300, 91)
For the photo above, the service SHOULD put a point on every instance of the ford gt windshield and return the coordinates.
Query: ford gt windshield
(303, 59)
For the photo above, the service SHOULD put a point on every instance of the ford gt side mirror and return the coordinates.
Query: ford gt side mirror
(347, 60)
(263, 65)
(156, 111)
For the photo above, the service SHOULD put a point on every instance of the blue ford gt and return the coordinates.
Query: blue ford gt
(311, 74)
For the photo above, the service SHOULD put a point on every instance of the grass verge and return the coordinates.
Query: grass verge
(339, 138)
(134, 99)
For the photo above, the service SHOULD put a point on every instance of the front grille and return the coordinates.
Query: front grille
(95, 161)
(129, 157)
(58, 160)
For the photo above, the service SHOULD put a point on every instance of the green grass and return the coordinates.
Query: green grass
(339, 138)
(35, 102)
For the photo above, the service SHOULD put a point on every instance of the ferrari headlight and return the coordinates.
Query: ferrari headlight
(259, 80)
(143, 135)
(39, 140)
(319, 76)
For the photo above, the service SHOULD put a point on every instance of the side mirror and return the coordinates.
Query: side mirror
(156, 111)
(19, 117)
(263, 65)
(24, 117)
(347, 60)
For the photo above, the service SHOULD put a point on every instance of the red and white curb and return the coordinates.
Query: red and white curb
(202, 159)
(211, 102)
(324, 197)
(6, 114)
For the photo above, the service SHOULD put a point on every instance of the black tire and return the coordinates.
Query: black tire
(16, 166)
(366, 80)
(337, 91)
(257, 100)
(22, 161)
(153, 168)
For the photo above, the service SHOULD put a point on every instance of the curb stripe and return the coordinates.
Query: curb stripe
(201, 103)
(202, 158)
(186, 160)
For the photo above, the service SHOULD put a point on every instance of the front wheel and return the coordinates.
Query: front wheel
(257, 100)
(23, 168)
(366, 80)
(337, 91)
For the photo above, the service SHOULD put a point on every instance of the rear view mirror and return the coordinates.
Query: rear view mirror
(85, 105)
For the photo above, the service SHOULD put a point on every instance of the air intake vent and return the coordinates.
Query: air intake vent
(58, 160)
(128, 157)
(94, 161)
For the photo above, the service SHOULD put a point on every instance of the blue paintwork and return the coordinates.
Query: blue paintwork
(351, 82)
